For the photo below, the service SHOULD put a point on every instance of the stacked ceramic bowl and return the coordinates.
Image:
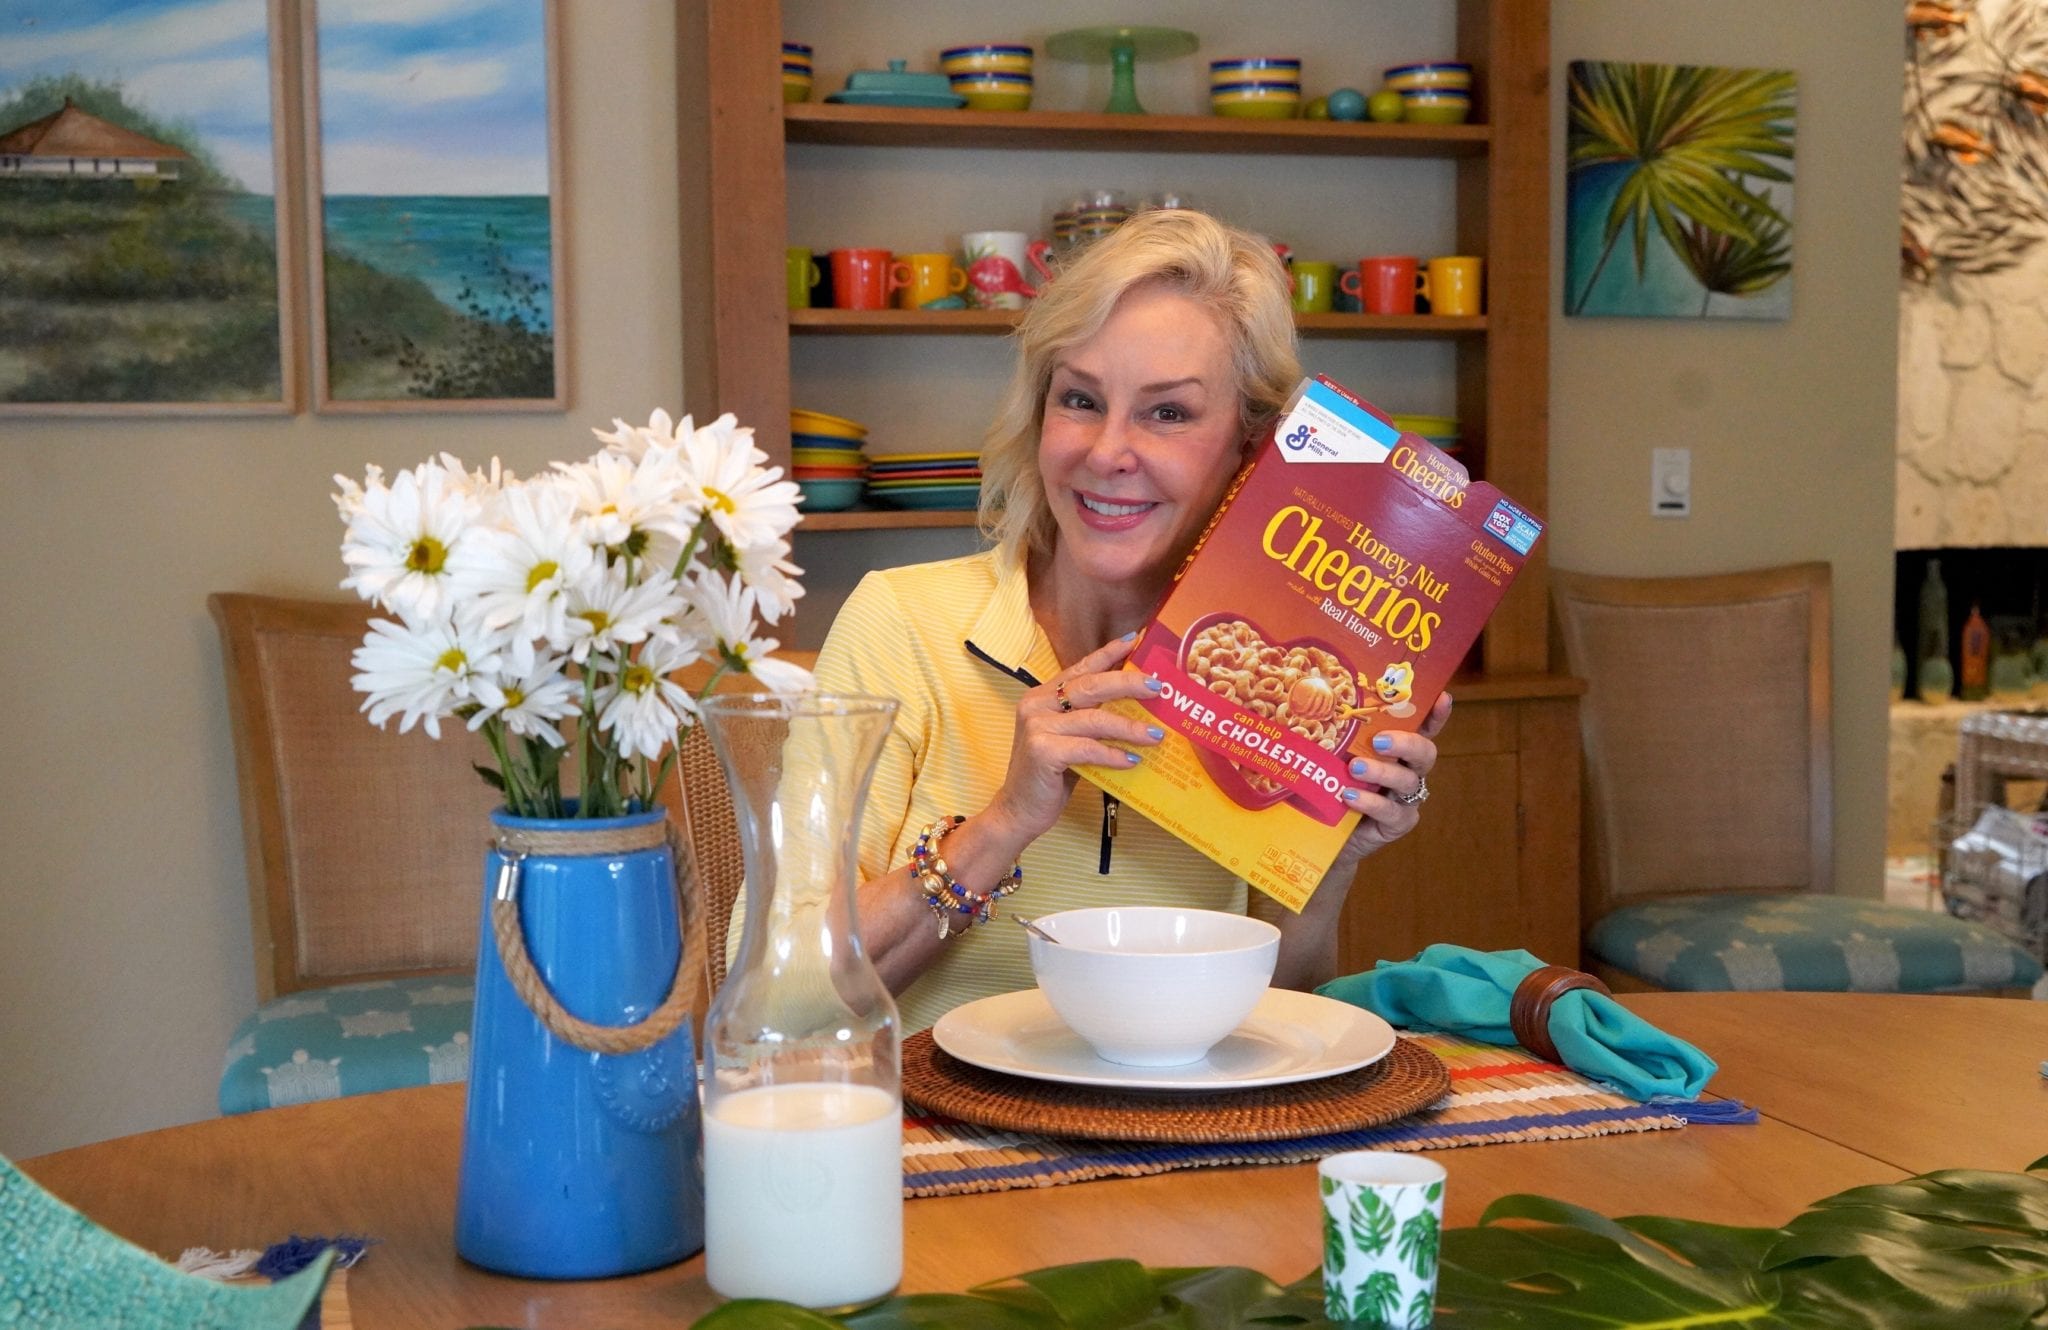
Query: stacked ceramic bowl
(796, 72)
(1439, 430)
(991, 76)
(1256, 87)
(1438, 93)
(926, 480)
(827, 460)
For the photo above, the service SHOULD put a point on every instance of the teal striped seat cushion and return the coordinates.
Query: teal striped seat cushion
(323, 1043)
(1805, 942)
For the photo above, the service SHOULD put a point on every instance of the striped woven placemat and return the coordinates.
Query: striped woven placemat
(1497, 1094)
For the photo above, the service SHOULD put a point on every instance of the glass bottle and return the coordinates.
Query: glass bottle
(803, 1090)
(1975, 675)
(1936, 677)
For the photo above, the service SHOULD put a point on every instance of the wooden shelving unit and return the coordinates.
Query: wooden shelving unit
(970, 322)
(1080, 131)
(1495, 864)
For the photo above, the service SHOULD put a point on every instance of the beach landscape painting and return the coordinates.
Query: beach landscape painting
(140, 150)
(1678, 191)
(436, 223)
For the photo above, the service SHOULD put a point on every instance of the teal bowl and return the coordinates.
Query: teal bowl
(831, 495)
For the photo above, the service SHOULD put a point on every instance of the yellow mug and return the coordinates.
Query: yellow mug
(802, 273)
(932, 278)
(1452, 286)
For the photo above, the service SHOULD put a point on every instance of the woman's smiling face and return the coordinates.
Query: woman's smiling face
(1143, 431)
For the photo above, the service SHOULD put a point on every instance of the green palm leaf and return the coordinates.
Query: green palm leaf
(1736, 263)
(1419, 1242)
(1687, 134)
(1377, 1300)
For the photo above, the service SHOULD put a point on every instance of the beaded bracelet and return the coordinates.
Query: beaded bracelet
(943, 896)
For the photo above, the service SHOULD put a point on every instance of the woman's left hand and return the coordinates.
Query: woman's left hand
(1389, 783)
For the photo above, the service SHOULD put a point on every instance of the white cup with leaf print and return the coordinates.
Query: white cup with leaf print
(1383, 1218)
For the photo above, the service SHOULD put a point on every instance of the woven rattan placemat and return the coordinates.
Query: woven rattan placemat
(1409, 1078)
(1497, 1094)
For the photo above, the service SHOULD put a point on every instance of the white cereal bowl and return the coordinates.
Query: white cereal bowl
(1153, 985)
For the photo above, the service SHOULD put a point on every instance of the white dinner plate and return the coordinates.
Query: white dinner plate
(1288, 1037)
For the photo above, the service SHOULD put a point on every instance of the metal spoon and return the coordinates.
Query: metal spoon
(1032, 928)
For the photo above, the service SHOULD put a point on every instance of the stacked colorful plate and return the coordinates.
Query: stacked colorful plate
(1439, 430)
(827, 459)
(1262, 87)
(926, 480)
(796, 72)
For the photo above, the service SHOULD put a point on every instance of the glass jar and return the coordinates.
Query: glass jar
(803, 1090)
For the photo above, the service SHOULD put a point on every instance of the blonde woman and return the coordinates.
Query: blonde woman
(1144, 377)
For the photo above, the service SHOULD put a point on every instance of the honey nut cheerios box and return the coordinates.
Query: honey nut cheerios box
(1340, 583)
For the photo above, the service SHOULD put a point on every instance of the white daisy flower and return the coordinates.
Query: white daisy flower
(722, 611)
(767, 569)
(639, 510)
(513, 572)
(348, 496)
(604, 612)
(400, 537)
(640, 706)
(532, 701)
(633, 441)
(724, 476)
(482, 484)
(422, 670)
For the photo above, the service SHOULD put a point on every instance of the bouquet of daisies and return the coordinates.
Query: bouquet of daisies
(573, 596)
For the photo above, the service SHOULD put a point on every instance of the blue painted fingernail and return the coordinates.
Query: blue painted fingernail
(1358, 767)
(1383, 743)
(1154, 684)
(1350, 796)
(1155, 731)
(1131, 759)
(1131, 636)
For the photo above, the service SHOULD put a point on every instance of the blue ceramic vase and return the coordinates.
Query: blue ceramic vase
(579, 1164)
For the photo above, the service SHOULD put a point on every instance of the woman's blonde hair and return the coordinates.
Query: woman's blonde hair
(1233, 273)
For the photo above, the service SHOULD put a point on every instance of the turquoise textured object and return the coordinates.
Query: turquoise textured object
(324, 1043)
(1807, 943)
(59, 1269)
(1468, 992)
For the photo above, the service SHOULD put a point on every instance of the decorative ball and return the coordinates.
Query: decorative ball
(1316, 108)
(1384, 106)
(1347, 104)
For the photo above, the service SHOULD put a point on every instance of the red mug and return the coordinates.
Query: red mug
(865, 278)
(1385, 285)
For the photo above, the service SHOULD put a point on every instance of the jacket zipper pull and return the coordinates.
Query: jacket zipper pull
(1109, 807)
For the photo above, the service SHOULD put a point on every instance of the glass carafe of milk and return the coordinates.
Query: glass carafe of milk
(803, 1089)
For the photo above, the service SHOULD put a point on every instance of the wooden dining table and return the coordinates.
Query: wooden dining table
(1852, 1089)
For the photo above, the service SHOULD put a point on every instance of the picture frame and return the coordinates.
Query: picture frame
(1679, 191)
(143, 269)
(435, 271)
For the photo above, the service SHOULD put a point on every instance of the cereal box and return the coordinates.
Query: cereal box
(1343, 579)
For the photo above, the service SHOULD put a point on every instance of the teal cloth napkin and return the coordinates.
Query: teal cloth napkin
(1466, 991)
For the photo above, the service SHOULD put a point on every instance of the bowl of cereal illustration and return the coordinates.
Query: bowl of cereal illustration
(1303, 692)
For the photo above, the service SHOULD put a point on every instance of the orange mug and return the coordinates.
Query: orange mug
(932, 278)
(863, 278)
(1452, 285)
(1384, 285)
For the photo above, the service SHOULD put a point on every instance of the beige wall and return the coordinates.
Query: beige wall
(1791, 425)
(124, 956)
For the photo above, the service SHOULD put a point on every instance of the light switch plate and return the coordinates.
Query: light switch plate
(1671, 482)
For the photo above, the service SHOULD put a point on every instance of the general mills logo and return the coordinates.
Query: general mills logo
(1299, 437)
(1500, 522)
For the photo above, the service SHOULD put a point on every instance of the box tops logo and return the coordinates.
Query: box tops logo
(1500, 522)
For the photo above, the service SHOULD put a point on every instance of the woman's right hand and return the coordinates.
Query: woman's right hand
(1051, 740)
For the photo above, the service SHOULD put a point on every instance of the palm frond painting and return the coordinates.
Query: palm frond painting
(1679, 191)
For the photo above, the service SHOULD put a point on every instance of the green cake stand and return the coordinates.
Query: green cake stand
(1122, 48)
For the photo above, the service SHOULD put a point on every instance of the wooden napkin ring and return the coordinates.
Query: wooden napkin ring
(1529, 1009)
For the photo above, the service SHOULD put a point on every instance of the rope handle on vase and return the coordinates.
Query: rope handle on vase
(514, 846)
